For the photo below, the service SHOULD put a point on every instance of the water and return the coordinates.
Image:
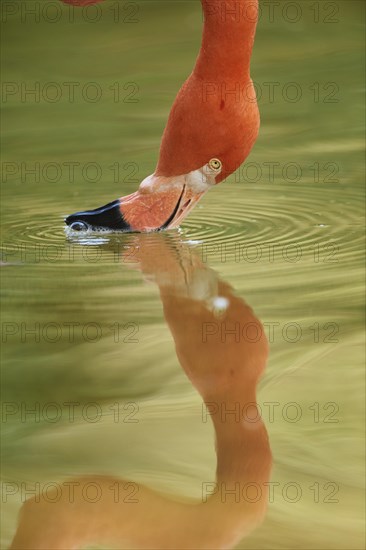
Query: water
(287, 237)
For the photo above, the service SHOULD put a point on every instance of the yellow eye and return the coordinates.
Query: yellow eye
(215, 164)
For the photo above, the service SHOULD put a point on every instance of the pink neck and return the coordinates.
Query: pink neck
(228, 37)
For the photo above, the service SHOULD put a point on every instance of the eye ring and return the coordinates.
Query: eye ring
(215, 164)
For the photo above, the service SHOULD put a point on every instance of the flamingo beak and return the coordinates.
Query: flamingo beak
(186, 203)
(105, 217)
(110, 216)
(161, 202)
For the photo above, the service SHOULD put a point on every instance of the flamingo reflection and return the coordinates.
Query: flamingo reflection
(222, 348)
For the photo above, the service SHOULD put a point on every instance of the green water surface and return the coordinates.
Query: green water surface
(286, 232)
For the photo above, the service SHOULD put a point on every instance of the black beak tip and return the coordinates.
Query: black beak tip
(105, 217)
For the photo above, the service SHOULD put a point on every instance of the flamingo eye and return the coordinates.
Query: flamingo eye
(215, 164)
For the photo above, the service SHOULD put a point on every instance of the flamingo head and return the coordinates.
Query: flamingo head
(161, 202)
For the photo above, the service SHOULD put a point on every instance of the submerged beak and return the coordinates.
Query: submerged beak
(105, 217)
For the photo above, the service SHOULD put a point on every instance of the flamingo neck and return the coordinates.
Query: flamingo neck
(228, 37)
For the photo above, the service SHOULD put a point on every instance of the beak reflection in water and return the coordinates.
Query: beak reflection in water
(225, 372)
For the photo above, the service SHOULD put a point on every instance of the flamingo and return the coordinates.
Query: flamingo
(211, 129)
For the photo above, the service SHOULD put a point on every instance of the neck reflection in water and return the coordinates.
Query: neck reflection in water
(222, 348)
